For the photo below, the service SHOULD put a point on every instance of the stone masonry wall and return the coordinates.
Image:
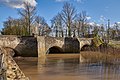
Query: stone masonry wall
(9, 69)
(23, 46)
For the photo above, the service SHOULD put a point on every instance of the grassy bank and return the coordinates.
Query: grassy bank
(100, 57)
(115, 44)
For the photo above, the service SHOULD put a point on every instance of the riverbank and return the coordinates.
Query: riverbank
(115, 44)
(114, 47)
(99, 57)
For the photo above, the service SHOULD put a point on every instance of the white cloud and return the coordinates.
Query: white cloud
(17, 3)
(88, 17)
(98, 25)
(102, 18)
(118, 22)
(91, 23)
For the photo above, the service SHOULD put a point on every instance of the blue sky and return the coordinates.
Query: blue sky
(98, 10)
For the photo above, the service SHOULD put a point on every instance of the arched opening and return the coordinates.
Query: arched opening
(54, 50)
(86, 48)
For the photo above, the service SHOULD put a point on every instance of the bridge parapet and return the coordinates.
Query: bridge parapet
(85, 41)
(44, 43)
(22, 45)
(9, 69)
(52, 41)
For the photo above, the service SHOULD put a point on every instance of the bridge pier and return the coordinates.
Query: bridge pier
(41, 51)
(41, 47)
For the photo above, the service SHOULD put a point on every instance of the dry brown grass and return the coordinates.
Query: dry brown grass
(100, 57)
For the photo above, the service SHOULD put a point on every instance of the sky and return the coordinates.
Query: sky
(99, 11)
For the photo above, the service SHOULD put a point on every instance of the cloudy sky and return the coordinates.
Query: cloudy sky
(98, 10)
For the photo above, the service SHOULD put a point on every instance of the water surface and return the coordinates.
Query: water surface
(67, 69)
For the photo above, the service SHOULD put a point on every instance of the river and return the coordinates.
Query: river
(67, 69)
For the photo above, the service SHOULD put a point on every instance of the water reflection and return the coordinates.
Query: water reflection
(68, 69)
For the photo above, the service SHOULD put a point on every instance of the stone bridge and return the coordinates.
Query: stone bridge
(48, 45)
(22, 46)
(31, 46)
(40, 46)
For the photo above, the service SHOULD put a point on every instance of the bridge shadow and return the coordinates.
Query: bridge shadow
(27, 47)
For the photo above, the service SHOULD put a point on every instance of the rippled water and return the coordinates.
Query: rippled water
(68, 69)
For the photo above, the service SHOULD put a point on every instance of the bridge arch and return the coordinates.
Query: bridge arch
(85, 43)
(86, 47)
(54, 49)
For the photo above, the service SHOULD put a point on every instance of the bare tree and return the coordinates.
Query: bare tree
(44, 29)
(117, 29)
(57, 25)
(68, 15)
(28, 13)
(82, 22)
(102, 30)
